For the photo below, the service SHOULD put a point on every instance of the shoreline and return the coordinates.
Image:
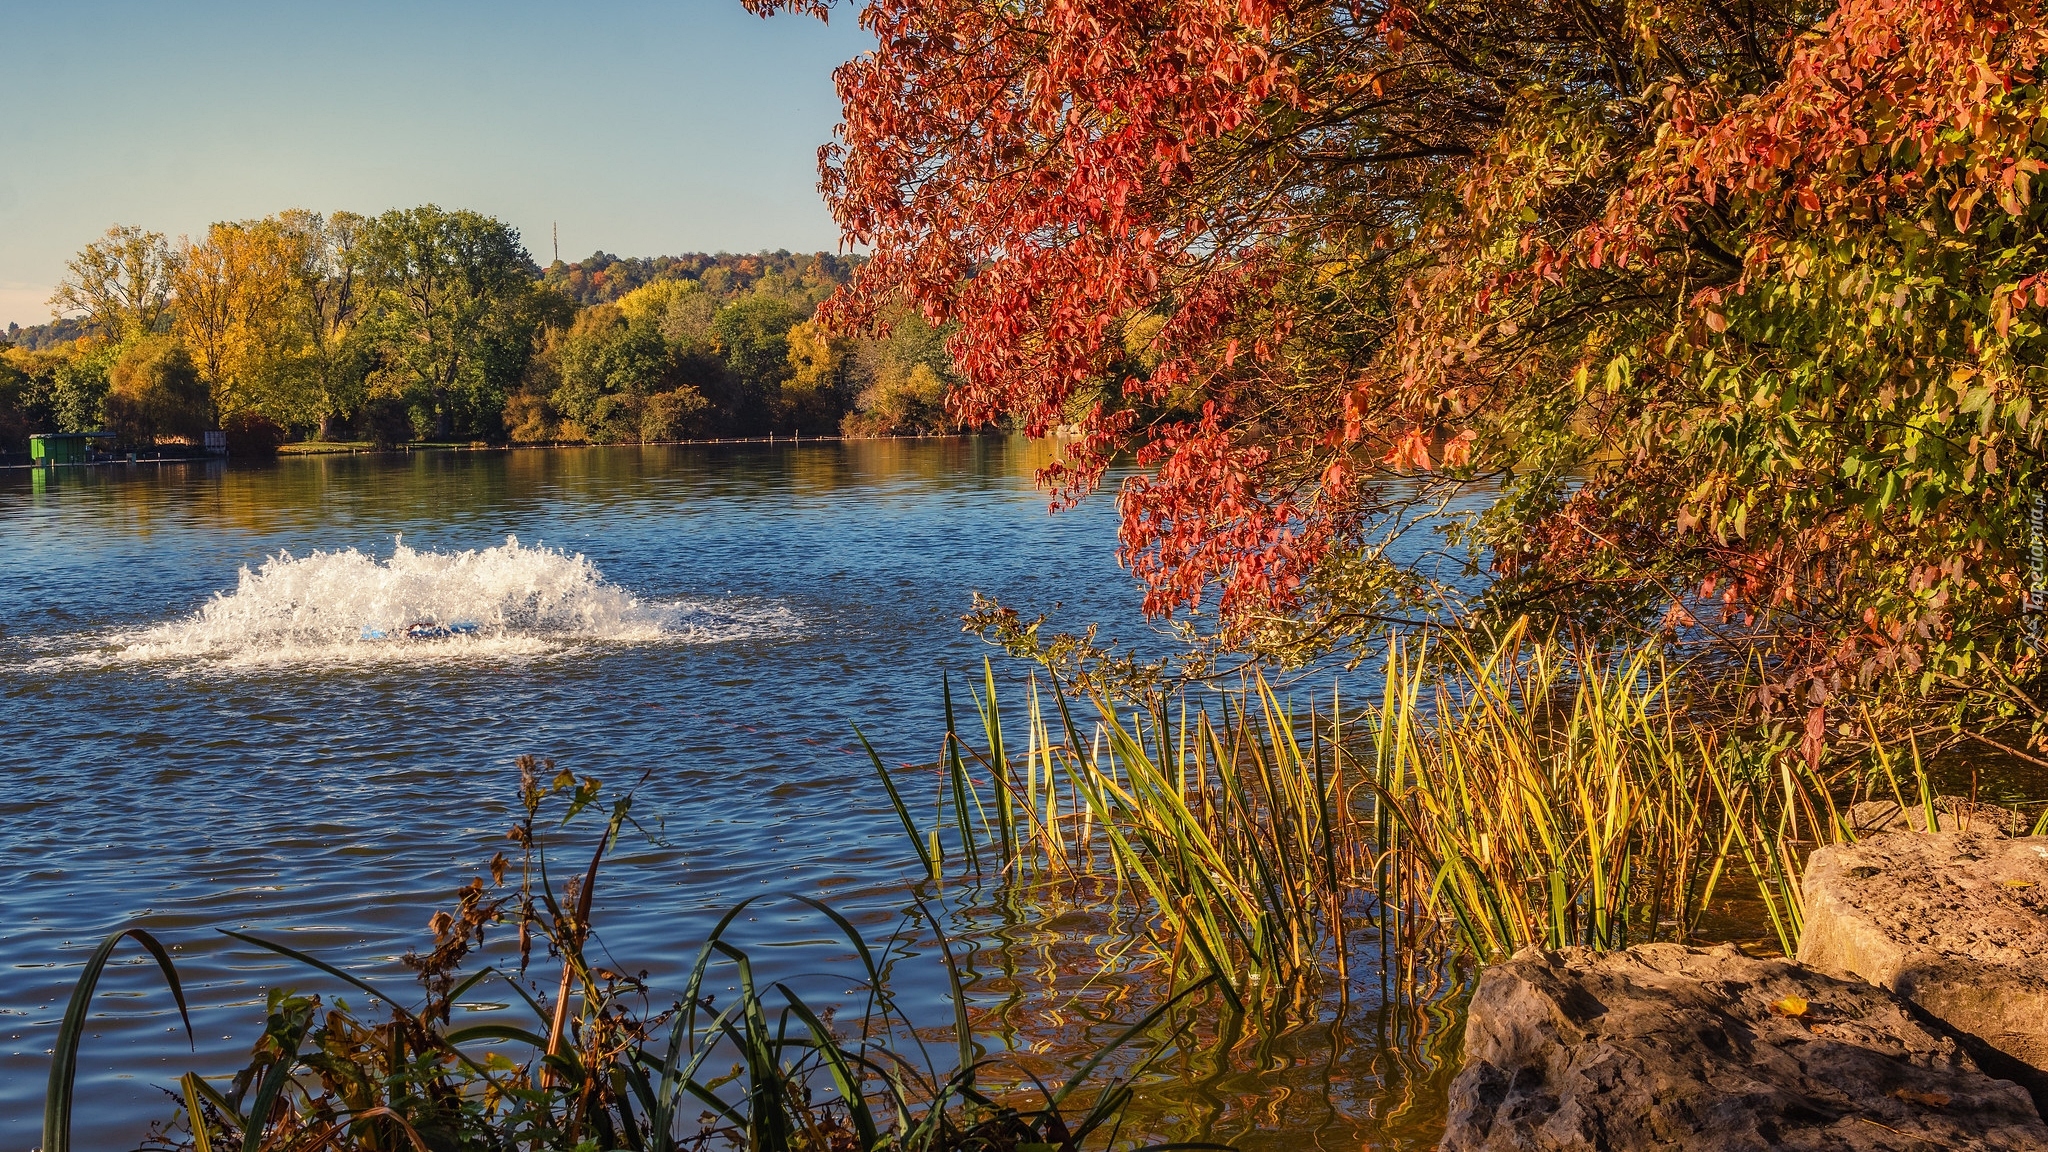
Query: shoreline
(363, 449)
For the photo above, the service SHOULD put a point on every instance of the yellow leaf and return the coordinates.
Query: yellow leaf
(2019, 883)
(1789, 1006)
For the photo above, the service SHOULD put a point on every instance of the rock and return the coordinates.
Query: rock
(1956, 922)
(1662, 1046)
(1951, 813)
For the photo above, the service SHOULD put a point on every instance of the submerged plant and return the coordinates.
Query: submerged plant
(766, 1071)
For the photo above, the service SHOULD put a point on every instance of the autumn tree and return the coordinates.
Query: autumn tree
(752, 335)
(79, 383)
(705, 345)
(1250, 185)
(1732, 308)
(28, 391)
(608, 364)
(675, 414)
(20, 416)
(901, 378)
(327, 273)
(814, 393)
(241, 307)
(120, 282)
(1814, 427)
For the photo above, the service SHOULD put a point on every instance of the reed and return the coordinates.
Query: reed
(1232, 830)
(1520, 794)
(764, 1071)
(1540, 796)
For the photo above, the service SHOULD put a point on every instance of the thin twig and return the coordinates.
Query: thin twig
(2008, 750)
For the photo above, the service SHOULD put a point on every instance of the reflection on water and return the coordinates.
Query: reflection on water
(193, 747)
(1053, 980)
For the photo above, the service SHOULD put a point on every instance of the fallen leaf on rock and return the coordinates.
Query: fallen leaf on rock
(1789, 1006)
(1931, 1099)
(2019, 883)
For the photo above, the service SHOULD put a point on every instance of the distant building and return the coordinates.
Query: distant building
(51, 448)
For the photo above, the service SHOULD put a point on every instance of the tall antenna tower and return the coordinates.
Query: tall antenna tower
(555, 227)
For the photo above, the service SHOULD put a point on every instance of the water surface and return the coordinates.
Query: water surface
(214, 719)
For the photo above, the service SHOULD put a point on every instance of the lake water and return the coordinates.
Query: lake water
(213, 719)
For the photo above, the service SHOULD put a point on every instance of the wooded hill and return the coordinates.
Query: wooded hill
(437, 325)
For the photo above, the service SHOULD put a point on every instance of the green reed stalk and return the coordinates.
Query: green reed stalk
(1498, 798)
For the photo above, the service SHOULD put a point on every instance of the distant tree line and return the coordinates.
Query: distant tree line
(436, 325)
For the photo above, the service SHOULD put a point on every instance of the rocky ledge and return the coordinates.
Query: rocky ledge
(1915, 1017)
(1956, 922)
(1662, 1046)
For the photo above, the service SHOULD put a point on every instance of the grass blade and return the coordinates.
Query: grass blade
(64, 1059)
(309, 961)
(931, 868)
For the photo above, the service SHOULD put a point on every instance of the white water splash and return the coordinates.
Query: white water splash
(349, 608)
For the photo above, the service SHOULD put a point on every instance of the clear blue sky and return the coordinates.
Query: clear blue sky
(642, 127)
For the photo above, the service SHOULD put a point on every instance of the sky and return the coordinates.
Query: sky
(638, 127)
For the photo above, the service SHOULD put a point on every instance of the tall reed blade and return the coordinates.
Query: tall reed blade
(71, 1033)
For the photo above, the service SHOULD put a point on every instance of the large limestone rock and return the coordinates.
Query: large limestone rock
(1956, 922)
(1667, 1047)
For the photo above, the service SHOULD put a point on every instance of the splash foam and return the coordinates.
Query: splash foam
(511, 600)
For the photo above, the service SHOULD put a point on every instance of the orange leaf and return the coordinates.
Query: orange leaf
(1931, 1099)
(1457, 451)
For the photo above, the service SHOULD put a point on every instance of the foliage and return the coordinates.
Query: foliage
(78, 390)
(266, 307)
(122, 282)
(328, 282)
(603, 278)
(1737, 305)
(673, 415)
(154, 390)
(752, 333)
(434, 323)
(597, 1070)
(814, 395)
(674, 359)
(19, 418)
(904, 378)
(607, 365)
(60, 331)
(450, 314)
(1846, 407)
(1050, 177)
(28, 393)
(529, 419)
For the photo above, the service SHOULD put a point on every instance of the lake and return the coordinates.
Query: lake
(215, 719)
